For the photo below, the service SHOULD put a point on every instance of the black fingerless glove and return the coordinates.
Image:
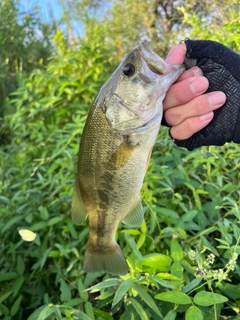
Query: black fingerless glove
(221, 66)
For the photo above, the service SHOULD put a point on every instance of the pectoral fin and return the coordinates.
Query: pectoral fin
(79, 212)
(135, 217)
(122, 155)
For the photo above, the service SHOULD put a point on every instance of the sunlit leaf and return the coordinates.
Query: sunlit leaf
(121, 291)
(194, 313)
(175, 297)
(204, 298)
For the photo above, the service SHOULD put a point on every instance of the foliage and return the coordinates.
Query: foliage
(24, 45)
(183, 259)
(222, 25)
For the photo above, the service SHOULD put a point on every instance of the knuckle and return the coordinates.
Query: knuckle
(180, 93)
(172, 116)
(201, 104)
(189, 125)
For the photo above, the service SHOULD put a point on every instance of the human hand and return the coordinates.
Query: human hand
(220, 66)
(186, 109)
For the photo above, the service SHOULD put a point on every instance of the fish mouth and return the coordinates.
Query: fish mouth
(153, 60)
(156, 63)
(141, 117)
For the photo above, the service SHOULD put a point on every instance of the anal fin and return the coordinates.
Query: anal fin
(135, 217)
(79, 212)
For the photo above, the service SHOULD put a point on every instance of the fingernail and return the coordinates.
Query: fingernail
(206, 117)
(217, 98)
(197, 71)
(199, 85)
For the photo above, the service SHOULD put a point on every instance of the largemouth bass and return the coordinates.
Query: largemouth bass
(114, 154)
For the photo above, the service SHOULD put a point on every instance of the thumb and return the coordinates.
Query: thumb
(176, 54)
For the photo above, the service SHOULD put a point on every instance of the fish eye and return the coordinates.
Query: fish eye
(129, 69)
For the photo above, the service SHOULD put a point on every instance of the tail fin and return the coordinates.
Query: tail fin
(112, 261)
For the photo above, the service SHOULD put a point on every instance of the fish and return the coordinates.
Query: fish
(114, 153)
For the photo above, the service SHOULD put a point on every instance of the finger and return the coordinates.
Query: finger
(184, 91)
(176, 54)
(196, 107)
(190, 126)
(193, 72)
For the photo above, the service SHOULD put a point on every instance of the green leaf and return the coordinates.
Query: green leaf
(144, 227)
(121, 291)
(45, 312)
(232, 291)
(146, 298)
(73, 302)
(81, 290)
(39, 226)
(20, 265)
(61, 249)
(5, 296)
(65, 291)
(44, 213)
(205, 299)
(171, 315)
(189, 216)
(176, 250)
(209, 246)
(137, 306)
(89, 310)
(54, 220)
(36, 313)
(105, 284)
(141, 240)
(44, 258)
(168, 284)
(175, 297)
(3, 310)
(195, 282)
(16, 305)
(131, 231)
(156, 261)
(57, 313)
(4, 199)
(194, 313)
(177, 269)
(166, 276)
(167, 212)
(11, 222)
(17, 285)
(81, 315)
(102, 315)
(67, 312)
(8, 276)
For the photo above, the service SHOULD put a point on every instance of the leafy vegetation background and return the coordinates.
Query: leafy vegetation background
(184, 258)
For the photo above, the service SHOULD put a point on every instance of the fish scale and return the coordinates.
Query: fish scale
(114, 153)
